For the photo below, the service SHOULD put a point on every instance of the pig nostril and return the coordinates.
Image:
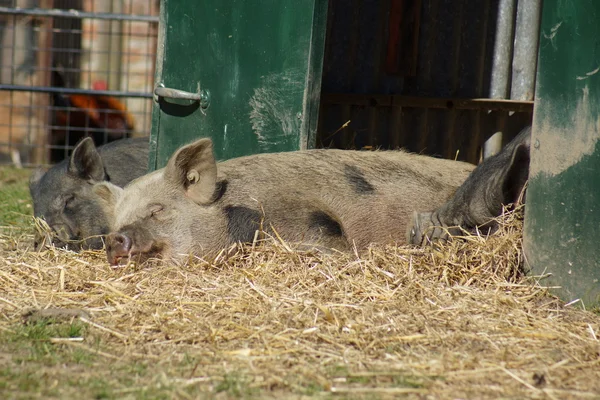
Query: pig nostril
(122, 241)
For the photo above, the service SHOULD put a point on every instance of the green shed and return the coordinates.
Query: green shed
(562, 217)
(245, 73)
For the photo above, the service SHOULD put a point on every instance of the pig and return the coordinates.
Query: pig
(498, 181)
(63, 195)
(323, 199)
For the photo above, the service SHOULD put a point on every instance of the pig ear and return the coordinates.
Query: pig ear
(85, 161)
(36, 176)
(108, 194)
(516, 174)
(193, 168)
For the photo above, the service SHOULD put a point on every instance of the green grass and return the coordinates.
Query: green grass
(15, 381)
(313, 389)
(378, 378)
(15, 202)
(33, 343)
(35, 366)
(236, 386)
(32, 352)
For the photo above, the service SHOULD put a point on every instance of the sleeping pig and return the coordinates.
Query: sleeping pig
(334, 199)
(63, 195)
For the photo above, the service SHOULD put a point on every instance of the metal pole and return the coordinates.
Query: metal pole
(526, 49)
(503, 50)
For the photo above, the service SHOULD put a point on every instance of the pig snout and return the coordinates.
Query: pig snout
(118, 246)
(57, 235)
(41, 240)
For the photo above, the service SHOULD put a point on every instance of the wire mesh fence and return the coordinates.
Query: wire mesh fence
(70, 69)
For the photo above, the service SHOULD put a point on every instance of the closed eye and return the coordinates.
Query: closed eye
(69, 201)
(156, 209)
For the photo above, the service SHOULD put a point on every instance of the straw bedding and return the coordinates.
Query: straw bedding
(457, 321)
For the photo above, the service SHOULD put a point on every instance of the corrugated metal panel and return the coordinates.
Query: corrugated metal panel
(454, 59)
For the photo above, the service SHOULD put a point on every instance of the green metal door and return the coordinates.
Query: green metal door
(562, 220)
(253, 71)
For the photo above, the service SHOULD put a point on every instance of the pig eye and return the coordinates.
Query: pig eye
(155, 210)
(69, 201)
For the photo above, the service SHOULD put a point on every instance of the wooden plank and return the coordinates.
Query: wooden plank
(403, 37)
(40, 153)
(380, 100)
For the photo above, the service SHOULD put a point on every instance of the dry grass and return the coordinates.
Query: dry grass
(456, 322)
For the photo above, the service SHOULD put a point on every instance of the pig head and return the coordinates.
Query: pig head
(498, 181)
(331, 199)
(63, 195)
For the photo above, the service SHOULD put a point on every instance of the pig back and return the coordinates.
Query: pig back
(125, 160)
(370, 194)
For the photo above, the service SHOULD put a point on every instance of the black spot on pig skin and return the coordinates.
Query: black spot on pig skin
(322, 221)
(242, 223)
(357, 180)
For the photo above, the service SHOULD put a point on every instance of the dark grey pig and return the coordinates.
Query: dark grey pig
(63, 195)
(332, 199)
(497, 181)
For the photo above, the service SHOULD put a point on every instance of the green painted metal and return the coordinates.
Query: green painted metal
(562, 220)
(261, 64)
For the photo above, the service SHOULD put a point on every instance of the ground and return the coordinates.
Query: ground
(268, 322)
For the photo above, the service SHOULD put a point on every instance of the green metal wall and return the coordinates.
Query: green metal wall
(563, 199)
(258, 65)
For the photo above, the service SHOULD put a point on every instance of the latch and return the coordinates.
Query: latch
(202, 96)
